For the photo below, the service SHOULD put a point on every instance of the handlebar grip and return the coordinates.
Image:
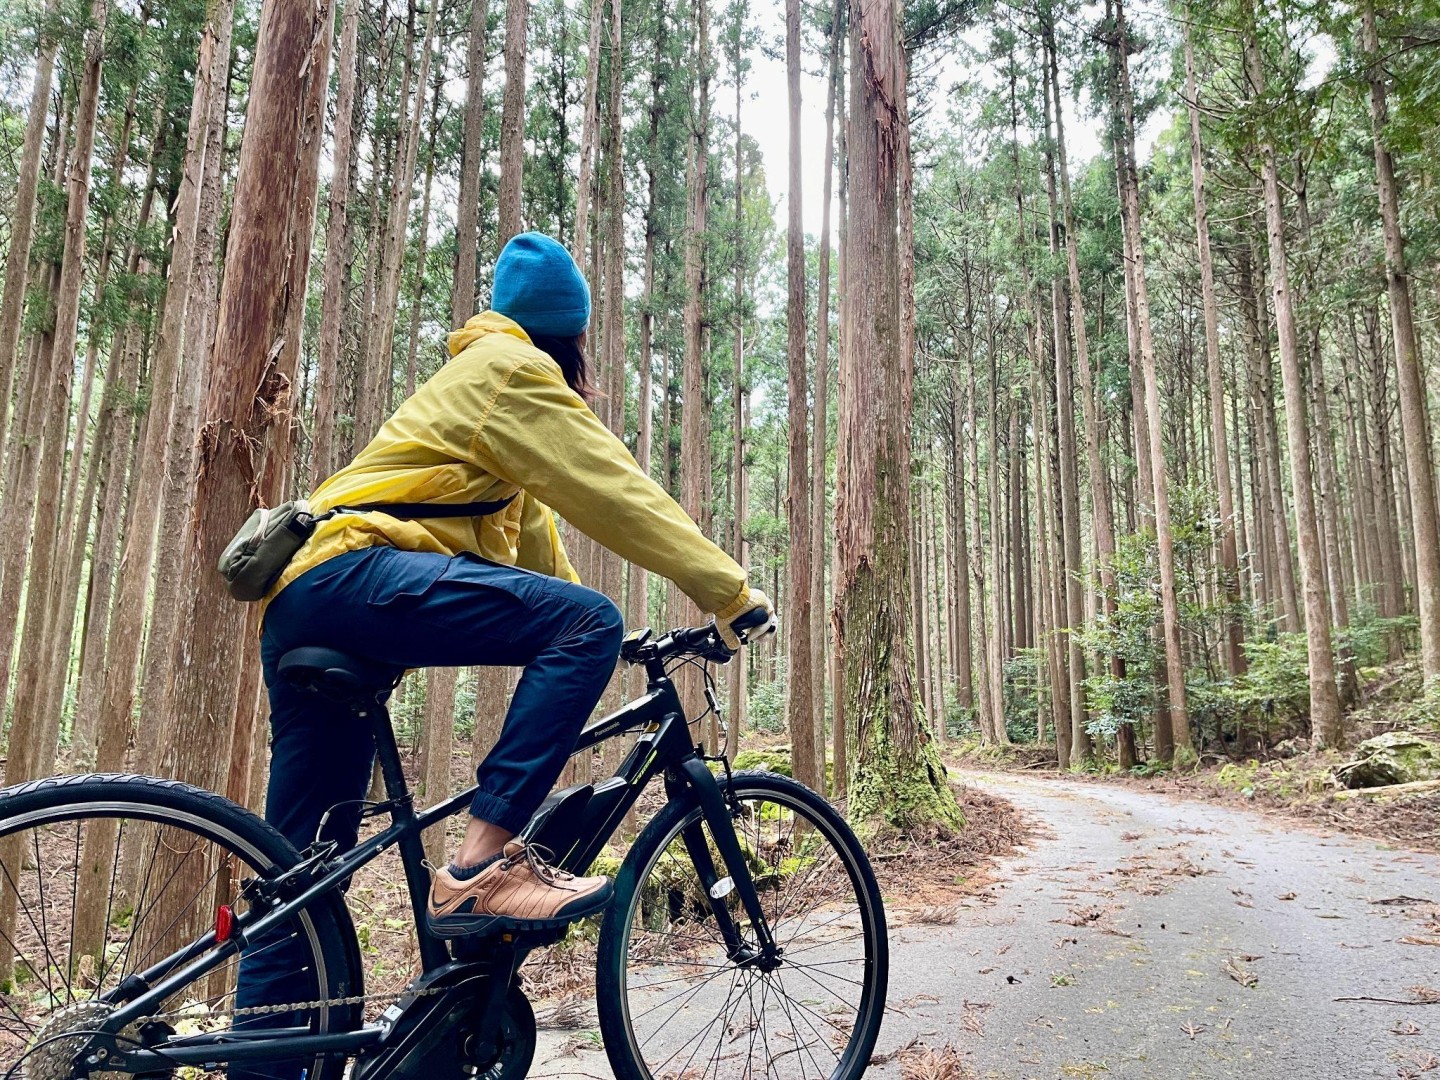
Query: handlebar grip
(749, 620)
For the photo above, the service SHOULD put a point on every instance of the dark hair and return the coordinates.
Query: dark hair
(566, 352)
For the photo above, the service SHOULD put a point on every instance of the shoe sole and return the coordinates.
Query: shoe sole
(451, 927)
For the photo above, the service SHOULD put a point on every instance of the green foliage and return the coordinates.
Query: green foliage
(766, 705)
(772, 759)
(1277, 684)
(1022, 690)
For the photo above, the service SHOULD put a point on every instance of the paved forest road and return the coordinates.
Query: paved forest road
(1113, 946)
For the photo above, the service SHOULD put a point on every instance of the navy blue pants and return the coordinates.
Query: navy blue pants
(417, 609)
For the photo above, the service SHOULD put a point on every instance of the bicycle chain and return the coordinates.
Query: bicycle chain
(295, 1006)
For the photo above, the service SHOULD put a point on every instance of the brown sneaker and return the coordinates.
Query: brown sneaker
(518, 890)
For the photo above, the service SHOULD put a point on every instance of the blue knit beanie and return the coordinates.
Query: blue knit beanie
(539, 286)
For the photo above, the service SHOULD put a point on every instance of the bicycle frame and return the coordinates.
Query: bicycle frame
(663, 746)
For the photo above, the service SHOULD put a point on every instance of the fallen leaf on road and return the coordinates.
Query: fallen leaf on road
(925, 1064)
(1240, 973)
(1405, 1027)
(938, 915)
(1080, 917)
(1399, 901)
(1411, 939)
(1192, 1030)
(885, 1059)
(1286, 896)
(919, 999)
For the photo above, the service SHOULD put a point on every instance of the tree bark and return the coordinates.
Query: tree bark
(1229, 562)
(1130, 212)
(895, 774)
(116, 424)
(512, 118)
(22, 229)
(157, 441)
(439, 729)
(422, 244)
(612, 571)
(248, 402)
(33, 734)
(694, 449)
(799, 658)
(819, 629)
(1419, 468)
(332, 299)
(380, 378)
(467, 214)
(589, 131)
(1325, 716)
(737, 677)
(1081, 747)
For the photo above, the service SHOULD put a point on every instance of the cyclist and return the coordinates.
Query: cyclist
(506, 417)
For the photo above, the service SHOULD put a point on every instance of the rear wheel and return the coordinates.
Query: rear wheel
(106, 877)
(674, 1005)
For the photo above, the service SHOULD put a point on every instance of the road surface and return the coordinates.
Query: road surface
(1141, 935)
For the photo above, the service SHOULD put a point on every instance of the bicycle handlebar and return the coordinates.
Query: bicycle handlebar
(701, 641)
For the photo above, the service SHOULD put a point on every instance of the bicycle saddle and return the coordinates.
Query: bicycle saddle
(339, 675)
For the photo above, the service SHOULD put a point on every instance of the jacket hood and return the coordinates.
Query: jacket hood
(479, 326)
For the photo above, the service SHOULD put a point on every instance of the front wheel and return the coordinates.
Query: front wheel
(675, 1006)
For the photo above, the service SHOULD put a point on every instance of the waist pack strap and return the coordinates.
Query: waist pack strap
(423, 510)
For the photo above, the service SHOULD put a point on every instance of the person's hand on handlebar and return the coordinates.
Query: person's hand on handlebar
(754, 618)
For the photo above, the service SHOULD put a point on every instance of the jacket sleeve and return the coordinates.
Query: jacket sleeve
(541, 548)
(537, 433)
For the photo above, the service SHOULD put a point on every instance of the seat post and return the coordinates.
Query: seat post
(388, 751)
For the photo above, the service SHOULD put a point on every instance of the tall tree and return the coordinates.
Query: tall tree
(1229, 557)
(895, 774)
(512, 117)
(17, 256)
(800, 704)
(248, 399)
(1325, 716)
(1159, 481)
(333, 295)
(694, 447)
(138, 552)
(33, 732)
(1419, 468)
(820, 629)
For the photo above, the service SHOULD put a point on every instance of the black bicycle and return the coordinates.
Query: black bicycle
(746, 936)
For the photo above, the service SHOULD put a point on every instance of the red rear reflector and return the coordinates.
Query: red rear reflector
(224, 922)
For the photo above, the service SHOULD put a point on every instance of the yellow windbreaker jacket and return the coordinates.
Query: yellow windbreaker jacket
(499, 420)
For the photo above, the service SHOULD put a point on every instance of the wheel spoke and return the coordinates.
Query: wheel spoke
(182, 856)
(815, 912)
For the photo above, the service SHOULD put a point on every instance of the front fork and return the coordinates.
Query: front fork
(694, 774)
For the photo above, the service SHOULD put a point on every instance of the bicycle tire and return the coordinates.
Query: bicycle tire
(326, 930)
(613, 953)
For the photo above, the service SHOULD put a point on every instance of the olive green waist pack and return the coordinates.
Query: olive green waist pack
(254, 560)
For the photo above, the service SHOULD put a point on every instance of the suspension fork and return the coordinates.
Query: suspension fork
(692, 772)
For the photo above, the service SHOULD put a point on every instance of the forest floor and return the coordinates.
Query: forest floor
(1141, 933)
